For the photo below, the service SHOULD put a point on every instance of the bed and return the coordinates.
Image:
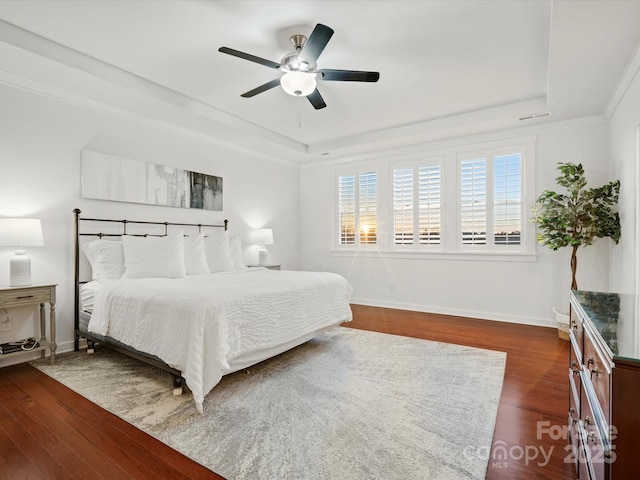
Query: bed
(200, 317)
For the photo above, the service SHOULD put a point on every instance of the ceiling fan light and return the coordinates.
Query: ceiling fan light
(298, 84)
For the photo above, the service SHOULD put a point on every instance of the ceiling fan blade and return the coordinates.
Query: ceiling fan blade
(315, 44)
(349, 75)
(316, 100)
(261, 88)
(247, 56)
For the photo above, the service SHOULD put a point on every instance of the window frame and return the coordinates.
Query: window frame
(450, 246)
(415, 163)
(356, 172)
(489, 154)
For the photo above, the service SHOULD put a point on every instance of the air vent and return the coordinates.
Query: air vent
(535, 115)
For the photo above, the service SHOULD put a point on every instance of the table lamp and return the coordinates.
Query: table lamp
(20, 232)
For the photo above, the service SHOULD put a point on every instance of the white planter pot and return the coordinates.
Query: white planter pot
(562, 320)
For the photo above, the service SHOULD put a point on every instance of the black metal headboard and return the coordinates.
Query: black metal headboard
(124, 223)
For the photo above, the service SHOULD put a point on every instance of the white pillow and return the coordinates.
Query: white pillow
(106, 259)
(154, 257)
(195, 257)
(216, 245)
(235, 250)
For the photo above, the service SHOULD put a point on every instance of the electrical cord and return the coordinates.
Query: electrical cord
(27, 344)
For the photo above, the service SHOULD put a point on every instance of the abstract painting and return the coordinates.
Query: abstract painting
(108, 177)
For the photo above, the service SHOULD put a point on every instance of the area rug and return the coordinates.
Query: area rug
(349, 405)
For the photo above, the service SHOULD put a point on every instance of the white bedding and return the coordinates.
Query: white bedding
(88, 295)
(201, 323)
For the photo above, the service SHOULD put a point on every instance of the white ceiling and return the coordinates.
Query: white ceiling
(445, 66)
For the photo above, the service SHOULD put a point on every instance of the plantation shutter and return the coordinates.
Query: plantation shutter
(347, 209)
(507, 199)
(403, 206)
(473, 201)
(368, 208)
(429, 190)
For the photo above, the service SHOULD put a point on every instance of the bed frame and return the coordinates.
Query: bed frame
(86, 227)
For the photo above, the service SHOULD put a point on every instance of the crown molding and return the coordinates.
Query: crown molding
(627, 78)
(138, 86)
(446, 142)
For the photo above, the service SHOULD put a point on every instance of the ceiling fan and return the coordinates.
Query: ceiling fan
(299, 67)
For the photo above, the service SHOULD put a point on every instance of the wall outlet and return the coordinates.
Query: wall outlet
(6, 325)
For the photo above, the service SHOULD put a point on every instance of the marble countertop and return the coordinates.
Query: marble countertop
(614, 316)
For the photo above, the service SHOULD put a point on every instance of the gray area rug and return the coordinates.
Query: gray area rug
(349, 405)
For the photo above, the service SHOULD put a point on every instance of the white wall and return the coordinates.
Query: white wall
(40, 143)
(624, 164)
(501, 290)
(624, 142)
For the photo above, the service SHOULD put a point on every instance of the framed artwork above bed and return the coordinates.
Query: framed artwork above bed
(109, 177)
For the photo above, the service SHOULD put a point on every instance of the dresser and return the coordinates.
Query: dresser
(604, 386)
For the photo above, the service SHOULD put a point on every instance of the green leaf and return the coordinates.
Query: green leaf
(578, 216)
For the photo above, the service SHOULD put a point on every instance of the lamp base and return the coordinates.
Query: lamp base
(262, 256)
(19, 269)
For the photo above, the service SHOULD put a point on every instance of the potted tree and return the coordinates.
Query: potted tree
(578, 216)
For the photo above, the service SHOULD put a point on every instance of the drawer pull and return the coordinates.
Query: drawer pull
(592, 436)
(572, 412)
(587, 420)
(596, 370)
(574, 324)
(574, 368)
(24, 296)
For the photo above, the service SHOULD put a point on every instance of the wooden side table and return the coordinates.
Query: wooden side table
(30, 295)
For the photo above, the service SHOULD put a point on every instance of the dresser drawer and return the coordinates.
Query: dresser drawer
(24, 296)
(582, 467)
(599, 373)
(592, 438)
(576, 328)
(575, 385)
(575, 364)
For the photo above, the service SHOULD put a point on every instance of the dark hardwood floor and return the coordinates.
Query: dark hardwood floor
(49, 432)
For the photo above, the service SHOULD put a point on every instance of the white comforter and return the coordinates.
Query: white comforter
(200, 323)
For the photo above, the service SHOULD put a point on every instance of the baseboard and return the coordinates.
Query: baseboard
(522, 320)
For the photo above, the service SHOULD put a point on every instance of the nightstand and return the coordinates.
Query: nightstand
(34, 295)
(270, 267)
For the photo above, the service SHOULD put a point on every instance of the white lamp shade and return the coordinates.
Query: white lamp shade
(263, 236)
(21, 232)
(298, 84)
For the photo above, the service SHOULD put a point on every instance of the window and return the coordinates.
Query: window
(429, 179)
(507, 199)
(347, 209)
(416, 205)
(491, 200)
(357, 209)
(466, 200)
(473, 201)
(403, 206)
